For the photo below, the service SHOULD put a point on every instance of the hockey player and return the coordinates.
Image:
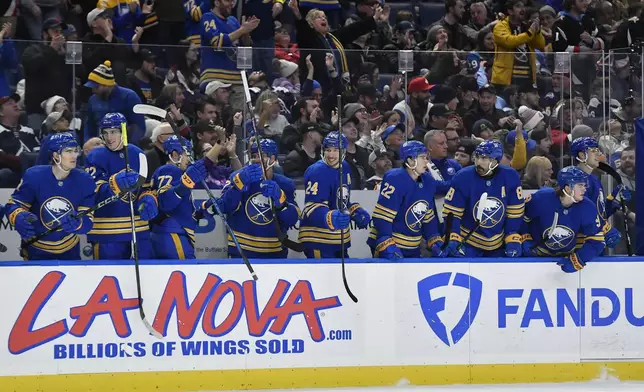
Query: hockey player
(112, 231)
(405, 210)
(246, 200)
(492, 192)
(554, 219)
(327, 208)
(52, 196)
(173, 230)
(587, 156)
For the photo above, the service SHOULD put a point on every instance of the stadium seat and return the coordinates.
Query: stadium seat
(430, 13)
(385, 79)
(395, 7)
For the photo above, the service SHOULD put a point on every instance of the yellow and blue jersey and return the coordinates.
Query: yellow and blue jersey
(194, 11)
(218, 52)
(604, 206)
(404, 212)
(502, 212)
(42, 194)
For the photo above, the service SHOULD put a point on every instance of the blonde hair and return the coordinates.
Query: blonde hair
(314, 14)
(534, 172)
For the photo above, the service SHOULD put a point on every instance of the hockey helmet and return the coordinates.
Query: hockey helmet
(570, 176)
(412, 149)
(269, 147)
(333, 140)
(490, 148)
(61, 141)
(112, 121)
(173, 144)
(582, 144)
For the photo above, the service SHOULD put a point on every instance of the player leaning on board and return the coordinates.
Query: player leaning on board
(404, 214)
(486, 204)
(328, 210)
(52, 196)
(587, 156)
(562, 222)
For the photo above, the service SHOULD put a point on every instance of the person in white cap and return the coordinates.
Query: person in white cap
(219, 93)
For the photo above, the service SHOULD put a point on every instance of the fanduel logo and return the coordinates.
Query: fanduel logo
(433, 306)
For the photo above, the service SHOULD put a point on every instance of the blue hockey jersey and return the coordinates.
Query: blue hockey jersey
(578, 226)
(112, 223)
(250, 217)
(321, 196)
(604, 206)
(218, 52)
(502, 212)
(176, 214)
(405, 212)
(194, 11)
(42, 194)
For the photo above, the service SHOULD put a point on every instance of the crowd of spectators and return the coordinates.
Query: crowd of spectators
(532, 75)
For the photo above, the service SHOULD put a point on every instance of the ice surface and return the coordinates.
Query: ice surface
(591, 386)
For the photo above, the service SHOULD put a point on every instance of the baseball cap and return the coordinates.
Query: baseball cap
(55, 116)
(487, 87)
(309, 127)
(51, 23)
(95, 14)
(466, 148)
(440, 110)
(405, 25)
(214, 86)
(351, 109)
(147, 55)
(481, 126)
(391, 129)
(419, 84)
(15, 97)
(377, 154)
(512, 136)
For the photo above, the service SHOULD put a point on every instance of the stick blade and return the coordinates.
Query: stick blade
(143, 165)
(151, 329)
(246, 88)
(149, 110)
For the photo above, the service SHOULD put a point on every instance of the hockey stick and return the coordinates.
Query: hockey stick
(448, 229)
(479, 220)
(157, 112)
(143, 172)
(608, 169)
(549, 233)
(135, 250)
(341, 204)
(281, 236)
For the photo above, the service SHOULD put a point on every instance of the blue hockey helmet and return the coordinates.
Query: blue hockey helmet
(112, 121)
(490, 148)
(60, 141)
(570, 176)
(582, 144)
(269, 147)
(412, 149)
(333, 140)
(173, 144)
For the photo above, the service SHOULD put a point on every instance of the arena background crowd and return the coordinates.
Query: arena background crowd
(534, 76)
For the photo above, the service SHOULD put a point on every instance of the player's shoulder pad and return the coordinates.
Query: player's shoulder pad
(317, 167)
(97, 154)
(463, 176)
(394, 176)
(134, 149)
(285, 183)
(168, 169)
(509, 172)
(35, 172)
(587, 207)
(346, 168)
(545, 194)
(82, 178)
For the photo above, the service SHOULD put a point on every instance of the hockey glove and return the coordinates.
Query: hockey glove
(621, 192)
(194, 174)
(123, 181)
(273, 191)
(337, 220)
(148, 208)
(526, 249)
(571, 263)
(70, 223)
(435, 246)
(25, 224)
(613, 237)
(248, 175)
(361, 217)
(210, 209)
(513, 249)
(452, 248)
(387, 249)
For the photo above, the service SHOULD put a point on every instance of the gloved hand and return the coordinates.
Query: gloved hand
(247, 175)
(613, 237)
(513, 249)
(337, 220)
(621, 191)
(26, 224)
(70, 223)
(194, 174)
(148, 208)
(526, 249)
(361, 217)
(452, 249)
(436, 249)
(571, 263)
(273, 191)
(208, 207)
(123, 181)
(387, 249)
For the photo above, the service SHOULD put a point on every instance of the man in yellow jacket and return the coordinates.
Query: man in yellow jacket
(515, 42)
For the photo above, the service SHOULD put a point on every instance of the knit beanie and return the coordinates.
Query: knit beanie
(530, 117)
(102, 75)
(581, 130)
(287, 68)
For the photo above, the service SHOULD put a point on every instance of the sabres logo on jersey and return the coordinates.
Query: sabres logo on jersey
(601, 204)
(258, 209)
(560, 238)
(53, 209)
(343, 197)
(493, 212)
(415, 215)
